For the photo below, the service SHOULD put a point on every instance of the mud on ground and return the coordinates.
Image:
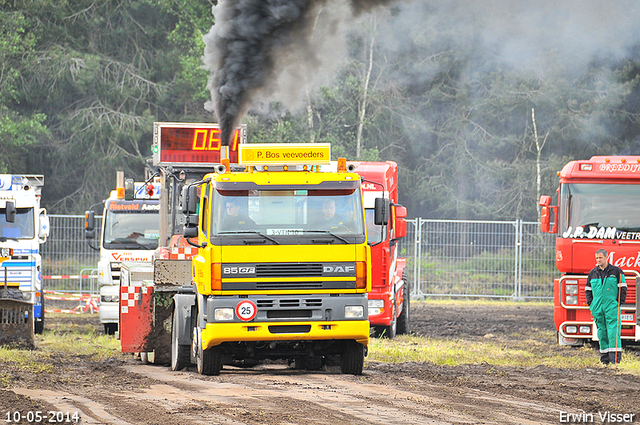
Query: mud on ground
(122, 390)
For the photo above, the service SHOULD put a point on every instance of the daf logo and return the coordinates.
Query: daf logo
(339, 269)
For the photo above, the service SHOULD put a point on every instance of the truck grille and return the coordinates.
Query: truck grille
(289, 329)
(289, 303)
(289, 270)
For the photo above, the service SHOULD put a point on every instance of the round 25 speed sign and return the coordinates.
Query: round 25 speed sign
(246, 310)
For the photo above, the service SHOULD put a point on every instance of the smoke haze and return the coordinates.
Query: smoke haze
(258, 47)
(261, 50)
(524, 34)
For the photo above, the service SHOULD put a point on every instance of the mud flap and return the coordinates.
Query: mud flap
(16, 323)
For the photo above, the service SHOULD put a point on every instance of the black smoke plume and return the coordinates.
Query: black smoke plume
(242, 48)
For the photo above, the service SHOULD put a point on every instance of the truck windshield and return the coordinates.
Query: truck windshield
(22, 228)
(287, 213)
(598, 206)
(131, 225)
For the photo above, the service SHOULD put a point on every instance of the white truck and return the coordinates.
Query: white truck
(130, 231)
(23, 227)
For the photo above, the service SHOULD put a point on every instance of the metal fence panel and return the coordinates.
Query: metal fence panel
(67, 253)
(538, 262)
(465, 258)
(453, 258)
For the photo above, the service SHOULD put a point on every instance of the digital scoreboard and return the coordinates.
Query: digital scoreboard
(188, 144)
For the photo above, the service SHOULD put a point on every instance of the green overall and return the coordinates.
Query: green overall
(604, 309)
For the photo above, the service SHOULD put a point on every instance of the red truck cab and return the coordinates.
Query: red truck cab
(598, 204)
(389, 298)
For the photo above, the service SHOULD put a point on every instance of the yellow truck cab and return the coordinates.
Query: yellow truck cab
(283, 265)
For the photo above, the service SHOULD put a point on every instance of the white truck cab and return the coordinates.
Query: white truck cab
(130, 231)
(23, 227)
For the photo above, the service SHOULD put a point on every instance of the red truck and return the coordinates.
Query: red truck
(389, 298)
(598, 204)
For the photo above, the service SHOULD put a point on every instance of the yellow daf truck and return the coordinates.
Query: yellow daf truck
(283, 265)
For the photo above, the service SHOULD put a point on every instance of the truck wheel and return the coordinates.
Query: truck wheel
(110, 328)
(352, 360)
(180, 354)
(209, 362)
(391, 330)
(403, 320)
(309, 363)
(38, 326)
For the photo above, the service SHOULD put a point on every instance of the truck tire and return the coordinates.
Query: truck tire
(309, 363)
(391, 330)
(110, 328)
(352, 360)
(404, 324)
(180, 353)
(209, 361)
(38, 326)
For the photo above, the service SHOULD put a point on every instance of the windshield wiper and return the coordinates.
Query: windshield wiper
(6, 238)
(237, 232)
(128, 245)
(326, 232)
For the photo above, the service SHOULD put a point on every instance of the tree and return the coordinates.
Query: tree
(19, 128)
(109, 70)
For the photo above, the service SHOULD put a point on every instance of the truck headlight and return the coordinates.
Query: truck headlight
(376, 303)
(571, 329)
(353, 312)
(572, 299)
(223, 314)
(6, 252)
(109, 298)
(585, 329)
(375, 307)
(571, 289)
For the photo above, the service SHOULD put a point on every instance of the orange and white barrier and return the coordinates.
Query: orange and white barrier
(90, 303)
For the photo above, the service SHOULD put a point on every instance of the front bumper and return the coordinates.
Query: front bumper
(109, 310)
(281, 318)
(217, 333)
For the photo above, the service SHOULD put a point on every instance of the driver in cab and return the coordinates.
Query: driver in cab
(234, 218)
(329, 220)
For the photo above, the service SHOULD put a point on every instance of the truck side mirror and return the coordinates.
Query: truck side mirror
(545, 200)
(190, 231)
(44, 228)
(545, 214)
(545, 219)
(189, 200)
(400, 224)
(89, 224)
(10, 212)
(381, 212)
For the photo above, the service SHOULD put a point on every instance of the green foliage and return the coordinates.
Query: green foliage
(18, 129)
(83, 81)
(109, 70)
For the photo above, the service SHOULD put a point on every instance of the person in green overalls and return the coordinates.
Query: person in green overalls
(606, 290)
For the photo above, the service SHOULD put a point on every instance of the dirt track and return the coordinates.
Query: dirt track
(121, 390)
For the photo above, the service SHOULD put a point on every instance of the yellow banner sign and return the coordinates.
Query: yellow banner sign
(285, 154)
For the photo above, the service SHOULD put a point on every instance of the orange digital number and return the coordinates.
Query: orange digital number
(206, 140)
(209, 140)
